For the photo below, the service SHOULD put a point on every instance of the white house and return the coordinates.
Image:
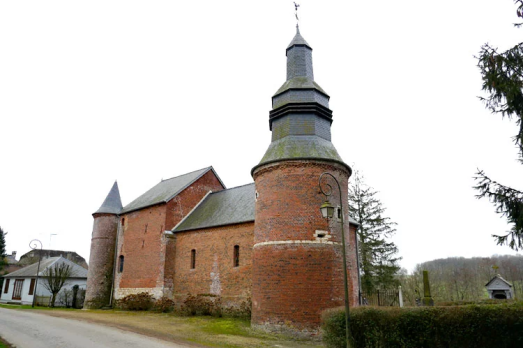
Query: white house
(19, 286)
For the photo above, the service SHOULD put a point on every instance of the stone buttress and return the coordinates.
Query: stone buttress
(297, 256)
(103, 242)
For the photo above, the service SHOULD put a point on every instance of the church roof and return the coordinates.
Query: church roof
(112, 203)
(298, 40)
(167, 190)
(227, 207)
(300, 148)
(30, 271)
(299, 83)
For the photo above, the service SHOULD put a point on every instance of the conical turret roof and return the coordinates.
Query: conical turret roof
(112, 203)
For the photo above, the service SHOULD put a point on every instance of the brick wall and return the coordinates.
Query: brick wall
(100, 274)
(149, 255)
(214, 271)
(297, 273)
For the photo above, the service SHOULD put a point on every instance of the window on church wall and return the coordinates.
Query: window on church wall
(123, 223)
(193, 259)
(120, 263)
(236, 261)
(6, 289)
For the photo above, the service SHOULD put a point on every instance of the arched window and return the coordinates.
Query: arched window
(120, 264)
(236, 261)
(193, 258)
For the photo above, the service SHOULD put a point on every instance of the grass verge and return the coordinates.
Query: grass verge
(199, 331)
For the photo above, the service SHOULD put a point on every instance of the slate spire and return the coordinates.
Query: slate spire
(300, 119)
(112, 203)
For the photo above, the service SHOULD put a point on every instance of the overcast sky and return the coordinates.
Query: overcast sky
(136, 91)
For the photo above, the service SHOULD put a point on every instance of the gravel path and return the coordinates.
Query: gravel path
(25, 329)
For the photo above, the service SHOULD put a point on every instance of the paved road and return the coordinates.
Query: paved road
(26, 329)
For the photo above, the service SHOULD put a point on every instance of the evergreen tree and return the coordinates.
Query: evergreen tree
(502, 74)
(378, 256)
(3, 255)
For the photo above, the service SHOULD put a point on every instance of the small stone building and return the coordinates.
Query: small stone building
(499, 288)
(264, 242)
(12, 264)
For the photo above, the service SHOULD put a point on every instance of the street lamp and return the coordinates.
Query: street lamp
(34, 246)
(327, 211)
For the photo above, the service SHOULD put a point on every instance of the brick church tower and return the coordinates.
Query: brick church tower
(297, 256)
(103, 242)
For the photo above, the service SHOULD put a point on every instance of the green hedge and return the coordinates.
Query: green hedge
(498, 326)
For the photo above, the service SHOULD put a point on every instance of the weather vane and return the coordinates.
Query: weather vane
(296, 10)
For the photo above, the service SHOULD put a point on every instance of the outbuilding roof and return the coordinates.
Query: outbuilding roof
(227, 207)
(167, 190)
(30, 271)
(498, 283)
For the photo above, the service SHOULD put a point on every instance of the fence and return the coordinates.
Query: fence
(383, 297)
(43, 300)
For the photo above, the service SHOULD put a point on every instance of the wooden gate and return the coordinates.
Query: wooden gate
(17, 291)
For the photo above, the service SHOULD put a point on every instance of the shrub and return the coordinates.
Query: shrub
(65, 298)
(471, 326)
(137, 302)
(480, 302)
(164, 305)
(203, 304)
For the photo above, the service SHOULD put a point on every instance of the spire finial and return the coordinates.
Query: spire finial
(296, 12)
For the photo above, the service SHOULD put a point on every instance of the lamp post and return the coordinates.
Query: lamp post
(34, 246)
(327, 211)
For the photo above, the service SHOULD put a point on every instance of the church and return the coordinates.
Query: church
(264, 242)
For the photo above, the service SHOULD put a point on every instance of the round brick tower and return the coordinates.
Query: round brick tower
(297, 255)
(103, 242)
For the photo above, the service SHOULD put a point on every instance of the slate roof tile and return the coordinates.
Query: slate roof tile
(231, 206)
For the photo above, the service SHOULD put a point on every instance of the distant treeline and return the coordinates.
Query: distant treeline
(462, 279)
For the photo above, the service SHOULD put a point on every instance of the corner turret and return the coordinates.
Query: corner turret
(101, 259)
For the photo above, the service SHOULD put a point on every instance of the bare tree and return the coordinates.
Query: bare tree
(55, 277)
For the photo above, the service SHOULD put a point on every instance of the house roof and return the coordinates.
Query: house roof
(167, 190)
(112, 203)
(30, 271)
(497, 276)
(232, 206)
